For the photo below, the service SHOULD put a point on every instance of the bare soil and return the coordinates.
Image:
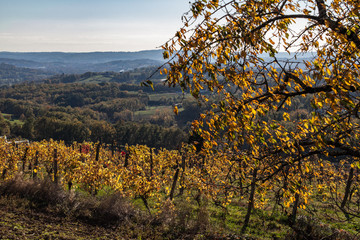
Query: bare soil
(18, 220)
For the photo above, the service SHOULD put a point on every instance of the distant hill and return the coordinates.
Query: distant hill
(69, 67)
(21, 63)
(122, 65)
(34, 66)
(135, 76)
(40, 65)
(10, 74)
(90, 57)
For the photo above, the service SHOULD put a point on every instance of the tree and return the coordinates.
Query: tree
(235, 49)
(101, 131)
(27, 129)
(4, 126)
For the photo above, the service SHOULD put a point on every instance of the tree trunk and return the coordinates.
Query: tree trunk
(294, 210)
(55, 167)
(251, 201)
(151, 163)
(348, 187)
(126, 163)
(182, 178)
(36, 163)
(143, 198)
(278, 195)
(172, 191)
(4, 173)
(24, 159)
(347, 192)
(97, 152)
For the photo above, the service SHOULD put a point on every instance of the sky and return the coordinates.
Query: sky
(88, 25)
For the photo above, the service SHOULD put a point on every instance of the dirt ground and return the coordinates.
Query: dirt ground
(19, 221)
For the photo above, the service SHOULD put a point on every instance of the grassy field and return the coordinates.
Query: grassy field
(9, 118)
(153, 111)
(158, 96)
(6, 115)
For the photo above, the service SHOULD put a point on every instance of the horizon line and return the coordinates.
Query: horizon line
(145, 50)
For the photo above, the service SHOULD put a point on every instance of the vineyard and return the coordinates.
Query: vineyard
(270, 97)
(226, 179)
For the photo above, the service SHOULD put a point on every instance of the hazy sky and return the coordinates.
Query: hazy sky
(88, 25)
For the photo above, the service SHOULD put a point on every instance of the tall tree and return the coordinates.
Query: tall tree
(260, 56)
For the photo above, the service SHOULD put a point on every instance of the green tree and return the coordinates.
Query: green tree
(27, 129)
(101, 131)
(4, 126)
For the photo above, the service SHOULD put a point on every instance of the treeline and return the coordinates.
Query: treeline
(121, 133)
(136, 75)
(104, 101)
(61, 127)
(64, 94)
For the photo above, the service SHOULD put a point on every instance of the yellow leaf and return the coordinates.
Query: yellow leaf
(328, 71)
(176, 110)
(286, 117)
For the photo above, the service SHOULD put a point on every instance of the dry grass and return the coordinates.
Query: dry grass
(111, 211)
(45, 195)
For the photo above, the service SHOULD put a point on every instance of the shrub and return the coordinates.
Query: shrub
(310, 228)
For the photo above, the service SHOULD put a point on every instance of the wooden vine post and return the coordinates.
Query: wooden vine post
(36, 164)
(55, 166)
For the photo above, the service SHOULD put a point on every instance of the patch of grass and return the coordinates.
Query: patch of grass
(9, 117)
(17, 122)
(150, 111)
(6, 115)
(158, 96)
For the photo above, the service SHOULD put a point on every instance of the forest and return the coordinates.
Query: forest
(107, 112)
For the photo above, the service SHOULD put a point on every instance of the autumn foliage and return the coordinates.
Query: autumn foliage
(159, 177)
(231, 49)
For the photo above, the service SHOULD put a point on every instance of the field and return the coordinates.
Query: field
(159, 96)
(151, 111)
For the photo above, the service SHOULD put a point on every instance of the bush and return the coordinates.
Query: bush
(309, 228)
(111, 209)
